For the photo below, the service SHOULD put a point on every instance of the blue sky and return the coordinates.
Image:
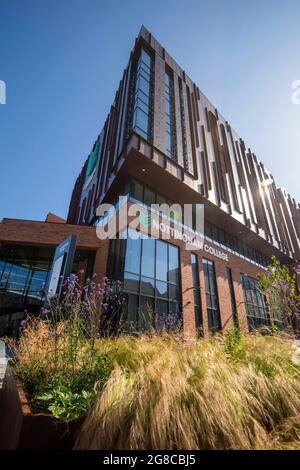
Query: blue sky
(62, 61)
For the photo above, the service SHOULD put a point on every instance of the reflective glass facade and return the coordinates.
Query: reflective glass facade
(142, 97)
(149, 269)
(24, 276)
(143, 193)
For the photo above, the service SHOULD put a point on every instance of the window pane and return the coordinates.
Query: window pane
(174, 308)
(161, 261)
(132, 307)
(161, 312)
(38, 281)
(255, 303)
(131, 282)
(213, 313)
(160, 199)
(162, 289)
(142, 97)
(149, 196)
(143, 106)
(148, 257)
(173, 292)
(162, 307)
(173, 264)
(168, 142)
(133, 255)
(141, 120)
(136, 190)
(146, 58)
(144, 85)
(147, 286)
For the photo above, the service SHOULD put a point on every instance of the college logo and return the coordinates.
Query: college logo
(144, 220)
(2, 92)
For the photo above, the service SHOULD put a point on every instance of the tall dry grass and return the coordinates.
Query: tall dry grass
(153, 391)
(214, 394)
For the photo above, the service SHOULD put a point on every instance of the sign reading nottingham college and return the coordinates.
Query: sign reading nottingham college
(192, 240)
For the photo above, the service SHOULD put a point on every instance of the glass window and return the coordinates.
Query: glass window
(143, 106)
(24, 275)
(161, 264)
(141, 120)
(148, 257)
(173, 264)
(161, 313)
(255, 303)
(213, 312)
(149, 196)
(131, 282)
(133, 255)
(173, 291)
(142, 97)
(37, 282)
(157, 285)
(147, 286)
(132, 308)
(162, 289)
(146, 58)
(168, 143)
(174, 309)
(144, 85)
(196, 289)
(136, 190)
(160, 199)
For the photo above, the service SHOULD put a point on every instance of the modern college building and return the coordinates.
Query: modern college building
(164, 142)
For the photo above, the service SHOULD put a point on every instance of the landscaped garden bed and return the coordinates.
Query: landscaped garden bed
(21, 428)
(87, 387)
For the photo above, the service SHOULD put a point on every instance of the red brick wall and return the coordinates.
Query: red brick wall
(51, 234)
(237, 265)
(30, 232)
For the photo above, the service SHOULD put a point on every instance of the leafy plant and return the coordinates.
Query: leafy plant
(65, 404)
(233, 338)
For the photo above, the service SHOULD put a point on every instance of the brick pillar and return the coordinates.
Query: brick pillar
(188, 315)
(240, 301)
(101, 260)
(223, 295)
